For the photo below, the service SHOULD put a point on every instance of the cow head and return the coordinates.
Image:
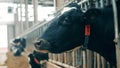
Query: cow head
(65, 32)
(18, 45)
(36, 57)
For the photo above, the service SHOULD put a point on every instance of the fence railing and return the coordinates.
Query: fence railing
(79, 58)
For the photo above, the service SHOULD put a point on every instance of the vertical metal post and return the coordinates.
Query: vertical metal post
(21, 22)
(97, 4)
(16, 17)
(102, 3)
(59, 4)
(73, 58)
(98, 60)
(108, 2)
(26, 14)
(86, 6)
(84, 59)
(35, 7)
(95, 60)
(115, 19)
(55, 4)
(116, 33)
(91, 2)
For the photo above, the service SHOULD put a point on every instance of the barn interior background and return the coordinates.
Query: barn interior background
(29, 18)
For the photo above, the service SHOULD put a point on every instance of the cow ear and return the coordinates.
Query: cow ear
(92, 13)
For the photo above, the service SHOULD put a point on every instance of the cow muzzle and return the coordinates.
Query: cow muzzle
(42, 44)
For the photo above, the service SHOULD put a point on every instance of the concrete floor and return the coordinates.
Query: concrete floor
(3, 67)
(3, 57)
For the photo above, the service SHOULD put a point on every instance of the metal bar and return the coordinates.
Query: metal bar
(61, 7)
(98, 60)
(117, 40)
(115, 20)
(35, 7)
(118, 56)
(103, 61)
(26, 13)
(51, 65)
(84, 59)
(95, 60)
(102, 3)
(89, 59)
(34, 27)
(17, 28)
(83, 1)
(61, 64)
(73, 58)
(21, 1)
(38, 25)
(97, 4)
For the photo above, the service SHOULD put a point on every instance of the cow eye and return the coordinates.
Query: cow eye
(66, 21)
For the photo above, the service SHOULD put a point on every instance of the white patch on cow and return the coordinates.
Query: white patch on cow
(14, 50)
(67, 9)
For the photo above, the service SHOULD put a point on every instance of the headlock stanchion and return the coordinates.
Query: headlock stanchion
(117, 40)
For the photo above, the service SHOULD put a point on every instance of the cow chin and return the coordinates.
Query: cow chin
(42, 44)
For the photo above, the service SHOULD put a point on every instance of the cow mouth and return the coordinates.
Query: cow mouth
(42, 44)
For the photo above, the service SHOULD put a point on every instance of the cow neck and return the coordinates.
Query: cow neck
(87, 35)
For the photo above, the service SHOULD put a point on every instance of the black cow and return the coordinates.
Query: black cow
(64, 33)
(67, 32)
(18, 45)
(102, 31)
(36, 58)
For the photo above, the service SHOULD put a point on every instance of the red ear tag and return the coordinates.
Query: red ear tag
(87, 30)
(36, 61)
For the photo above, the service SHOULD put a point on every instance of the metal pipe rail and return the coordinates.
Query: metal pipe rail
(74, 59)
(83, 1)
(38, 25)
(61, 64)
(33, 28)
(117, 37)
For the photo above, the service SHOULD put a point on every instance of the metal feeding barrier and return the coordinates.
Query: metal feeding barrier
(117, 37)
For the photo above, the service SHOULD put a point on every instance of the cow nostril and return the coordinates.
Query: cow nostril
(38, 43)
(42, 44)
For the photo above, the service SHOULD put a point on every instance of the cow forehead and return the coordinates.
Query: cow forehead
(67, 9)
